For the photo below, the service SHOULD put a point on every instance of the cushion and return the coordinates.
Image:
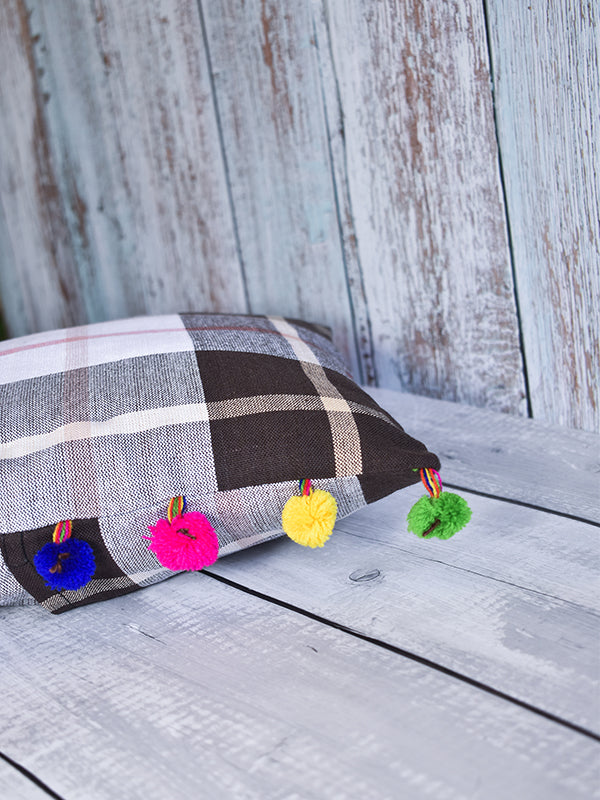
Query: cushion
(112, 434)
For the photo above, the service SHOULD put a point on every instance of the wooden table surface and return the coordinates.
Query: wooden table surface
(382, 666)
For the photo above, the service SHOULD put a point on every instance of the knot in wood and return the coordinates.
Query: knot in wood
(362, 576)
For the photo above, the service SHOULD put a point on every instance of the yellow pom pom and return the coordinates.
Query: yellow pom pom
(309, 519)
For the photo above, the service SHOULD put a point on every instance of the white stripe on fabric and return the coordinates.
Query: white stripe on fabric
(300, 348)
(344, 432)
(339, 413)
(56, 351)
(134, 422)
(335, 404)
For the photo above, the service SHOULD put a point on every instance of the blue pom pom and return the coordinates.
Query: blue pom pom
(65, 565)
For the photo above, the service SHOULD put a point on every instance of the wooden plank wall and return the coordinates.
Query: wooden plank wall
(336, 161)
(546, 70)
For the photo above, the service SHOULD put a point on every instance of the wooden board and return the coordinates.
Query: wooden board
(38, 280)
(268, 94)
(111, 151)
(511, 602)
(523, 582)
(518, 459)
(16, 786)
(547, 95)
(192, 688)
(230, 156)
(336, 135)
(426, 196)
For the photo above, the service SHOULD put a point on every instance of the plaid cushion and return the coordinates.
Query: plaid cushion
(104, 423)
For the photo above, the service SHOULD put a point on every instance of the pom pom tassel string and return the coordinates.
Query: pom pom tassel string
(441, 514)
(308, 518)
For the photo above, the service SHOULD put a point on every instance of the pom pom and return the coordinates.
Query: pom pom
(421, 516)
(440, 517)
(65, 565)
(188, 542)
(309, 519)
(454, 513)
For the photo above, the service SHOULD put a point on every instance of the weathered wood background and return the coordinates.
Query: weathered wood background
(420, 175)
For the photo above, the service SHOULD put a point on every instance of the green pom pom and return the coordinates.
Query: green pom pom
(442, 516)
(421, 516)
(453, 513)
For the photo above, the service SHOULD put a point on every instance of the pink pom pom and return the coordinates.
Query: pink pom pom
(189, 542)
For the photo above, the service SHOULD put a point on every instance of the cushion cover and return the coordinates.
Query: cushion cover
(103, 424)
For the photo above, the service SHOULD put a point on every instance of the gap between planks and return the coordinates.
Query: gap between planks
(522, 503)
(407, 654)
(18, 783)
(522, 584)
(222, 695)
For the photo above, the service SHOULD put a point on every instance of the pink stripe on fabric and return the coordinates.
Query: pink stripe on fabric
(144, 332)
(87, 338)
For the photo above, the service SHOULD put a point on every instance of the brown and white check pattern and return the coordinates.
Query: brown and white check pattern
(104, 423)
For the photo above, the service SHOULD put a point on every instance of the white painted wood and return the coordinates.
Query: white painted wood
(511, 601)
(15, 786)
(118, 110)
(270, 104)
(547, 94)
(194, 689)
(519, 459)
(425, 189)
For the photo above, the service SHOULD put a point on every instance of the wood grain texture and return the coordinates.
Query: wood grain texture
(119, 106)
(511, 601)
(545, 60)
(267, 86)
(519, 459)
(195, 689)
(522, 582)
(332, 161)
(334, 118)
(426, 196)
(38, 269)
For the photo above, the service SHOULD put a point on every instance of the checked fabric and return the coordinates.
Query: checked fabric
(104, 423)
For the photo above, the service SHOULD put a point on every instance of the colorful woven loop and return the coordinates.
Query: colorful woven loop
(62, 531)
(305, 489)
(432, 482)
(176, 507)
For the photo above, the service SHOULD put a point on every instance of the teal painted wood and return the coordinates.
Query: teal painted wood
(269, 99)
(334, 118)
(115, 147)
(338, 163)
(547, 93)
(38, 269)
(414, 88)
